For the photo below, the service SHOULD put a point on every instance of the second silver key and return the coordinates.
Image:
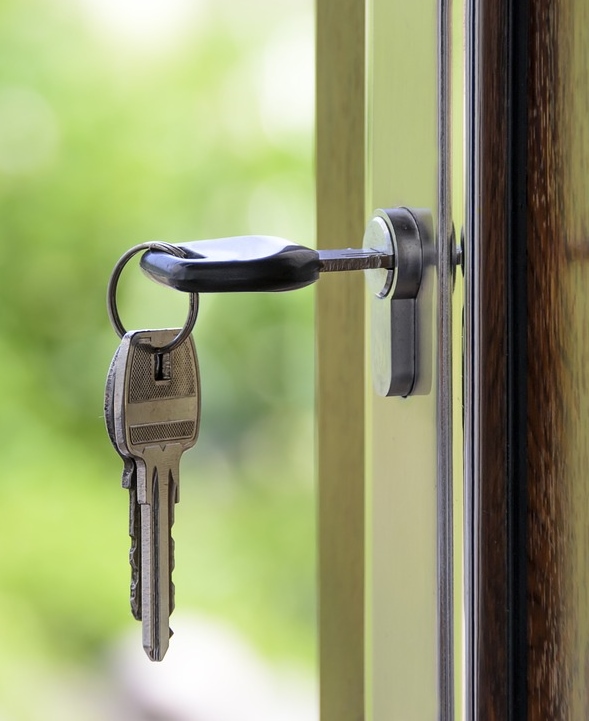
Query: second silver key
(158, 421)
(129, 481)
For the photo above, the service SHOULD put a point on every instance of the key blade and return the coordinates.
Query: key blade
(156, 553)
(155, 613)
(354, 259)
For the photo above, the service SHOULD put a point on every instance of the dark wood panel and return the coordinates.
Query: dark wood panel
(485, 432)
(558, 381)
(527, 360)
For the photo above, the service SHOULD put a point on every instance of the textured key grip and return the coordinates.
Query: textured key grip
(159, 411)
(239, 264)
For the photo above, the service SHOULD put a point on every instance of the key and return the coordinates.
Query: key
(129, 481)
(255, 263)
(155, 420)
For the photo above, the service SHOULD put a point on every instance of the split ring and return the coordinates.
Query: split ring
(111, 293)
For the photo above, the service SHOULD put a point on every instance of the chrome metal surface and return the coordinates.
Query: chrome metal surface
(354, 259)
(394, 307)
(378, 235)
(445, 268)
(472, 401)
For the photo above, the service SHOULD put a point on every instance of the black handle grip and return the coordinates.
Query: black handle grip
(233, 265)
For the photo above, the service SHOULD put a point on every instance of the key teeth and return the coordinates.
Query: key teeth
(128, 477)
(135, 554)
(172, 564)
(173, 499)
(136, 609)
(172, 602)
(135, 599)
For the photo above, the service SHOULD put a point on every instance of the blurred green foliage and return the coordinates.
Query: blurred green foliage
(108, 138)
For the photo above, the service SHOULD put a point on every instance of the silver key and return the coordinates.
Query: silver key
(129, 481)
(156, 419)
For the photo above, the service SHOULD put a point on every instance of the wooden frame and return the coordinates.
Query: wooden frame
(340, 93)
(527, 371)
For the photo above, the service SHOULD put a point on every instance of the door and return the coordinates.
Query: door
(508, 391)
(386, 477)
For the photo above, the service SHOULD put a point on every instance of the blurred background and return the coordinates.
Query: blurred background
(123, 121)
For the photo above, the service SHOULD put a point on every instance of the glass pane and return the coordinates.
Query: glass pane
(415, 465)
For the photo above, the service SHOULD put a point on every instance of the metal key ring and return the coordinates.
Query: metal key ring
(111, 293)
